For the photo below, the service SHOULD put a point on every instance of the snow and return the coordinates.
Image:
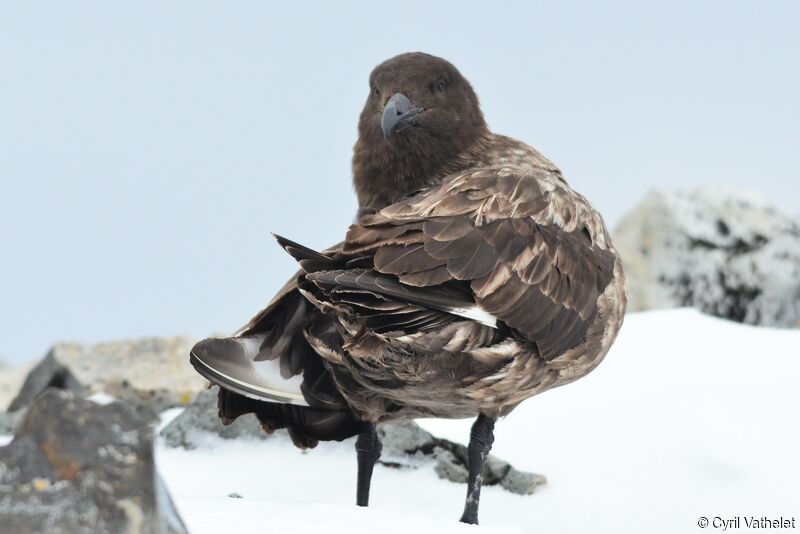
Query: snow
(689, 416)
(167, 416)
(102, 398)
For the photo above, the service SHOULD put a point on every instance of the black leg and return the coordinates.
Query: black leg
(480, 443)
(368, 450)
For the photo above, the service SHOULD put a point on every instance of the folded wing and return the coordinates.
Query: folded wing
(531, 252)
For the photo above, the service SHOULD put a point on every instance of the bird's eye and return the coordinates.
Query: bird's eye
(439, 86)
(375, 91)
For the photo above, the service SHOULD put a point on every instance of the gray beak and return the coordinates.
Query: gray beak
(398, 115)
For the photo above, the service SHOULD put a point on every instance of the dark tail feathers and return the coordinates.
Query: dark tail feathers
(309, 260)
(307, 426)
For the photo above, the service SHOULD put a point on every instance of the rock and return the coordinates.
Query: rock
(50, 372)
(406, 438)
(403, 440)
(199, 420)
(405, 444)
(11, 377)
(9, 421)
(522, 483)
(448, 467)
(75, 466)
(152, 374)
(727, 253)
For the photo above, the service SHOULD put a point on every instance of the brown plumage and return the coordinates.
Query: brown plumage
(475, 277)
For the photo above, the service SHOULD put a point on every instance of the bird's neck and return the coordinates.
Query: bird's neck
(382, 177)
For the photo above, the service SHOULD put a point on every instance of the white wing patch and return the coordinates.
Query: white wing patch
(268, 373)
(239, 367)
(476, 314)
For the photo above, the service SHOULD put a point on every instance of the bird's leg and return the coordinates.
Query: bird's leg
(368, 450)
(480, 443)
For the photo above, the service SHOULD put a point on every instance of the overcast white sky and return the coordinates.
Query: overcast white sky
(148, 150)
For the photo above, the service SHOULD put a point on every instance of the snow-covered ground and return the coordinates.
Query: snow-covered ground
(689, 416)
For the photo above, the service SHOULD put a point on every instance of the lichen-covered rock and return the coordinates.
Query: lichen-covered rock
(727, 253)
(151, 374)
(405, 444)
(75, 466)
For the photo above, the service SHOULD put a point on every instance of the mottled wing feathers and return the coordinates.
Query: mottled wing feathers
(386, 305)
(439, 297)
(532, 251)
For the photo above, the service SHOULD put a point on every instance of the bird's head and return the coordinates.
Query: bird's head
(420, 116)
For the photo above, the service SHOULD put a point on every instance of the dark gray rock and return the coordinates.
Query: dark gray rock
(200, 420)
(9, 421)
(407, 440)
(50, 372)
(405, 445)
(78, 467)
(151, 374)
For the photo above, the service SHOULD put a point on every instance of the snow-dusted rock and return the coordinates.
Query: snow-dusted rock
(405, 444)
(725, 252)
(150, 373)
(77, 466)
